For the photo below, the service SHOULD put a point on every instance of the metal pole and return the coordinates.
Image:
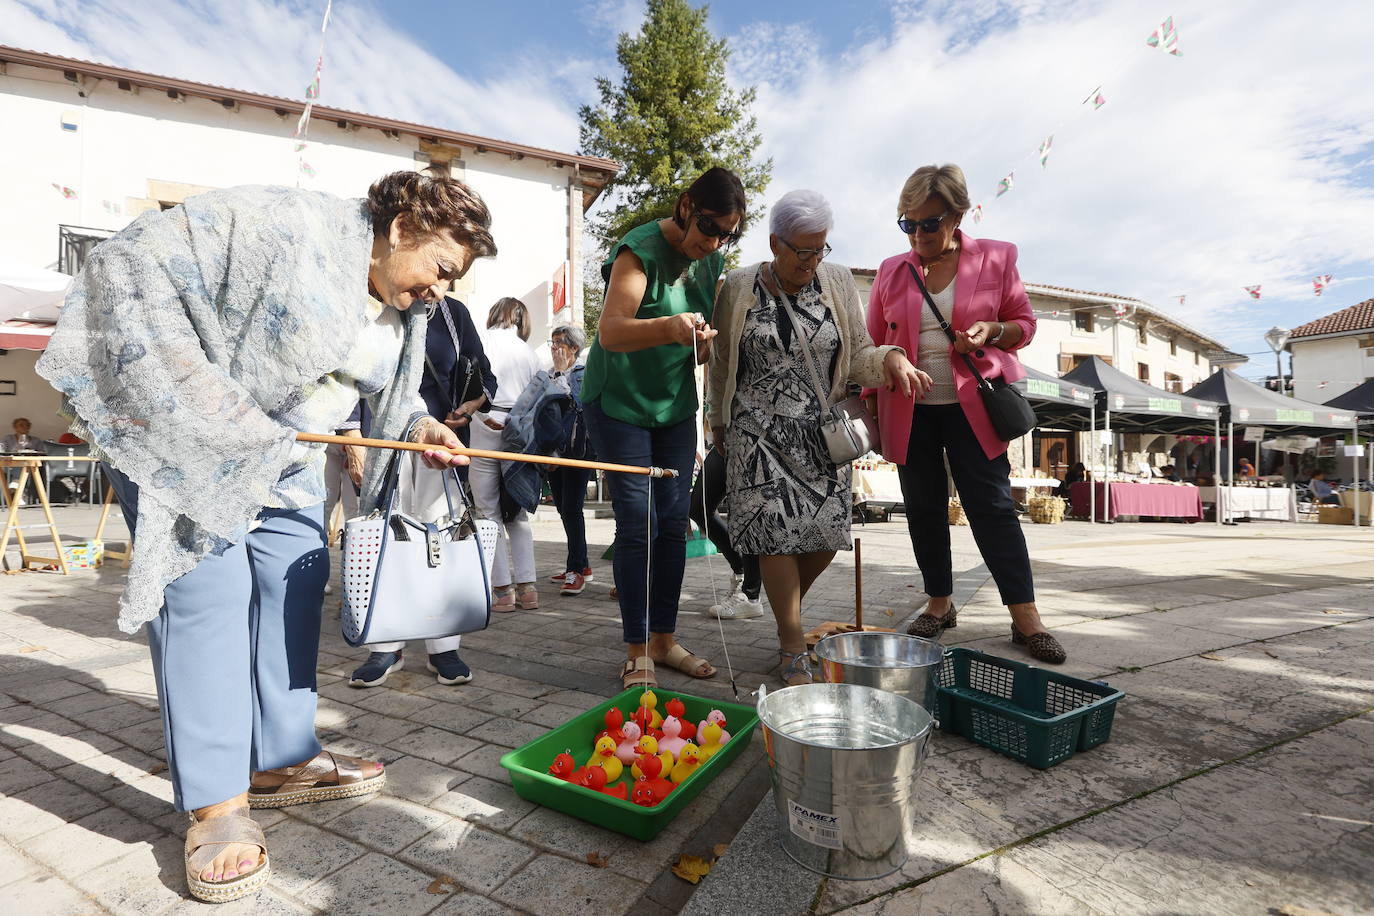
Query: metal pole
(1230, 464)
(1092, 481)
(1357, 473)
(1216, 463)
(1107, 471)
(1278, 365)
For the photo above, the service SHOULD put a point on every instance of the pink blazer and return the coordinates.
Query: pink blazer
(987, 288)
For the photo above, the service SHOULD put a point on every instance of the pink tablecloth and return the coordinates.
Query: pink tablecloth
(1140, 499)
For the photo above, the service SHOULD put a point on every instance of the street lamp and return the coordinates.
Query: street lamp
(1277, 338)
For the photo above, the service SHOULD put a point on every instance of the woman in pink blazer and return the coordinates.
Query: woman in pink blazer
(977, 290)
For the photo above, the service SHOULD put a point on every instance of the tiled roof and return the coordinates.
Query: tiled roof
(1358, 317)
(1084, 292)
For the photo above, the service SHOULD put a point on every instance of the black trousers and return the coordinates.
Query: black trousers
(984, 492)
(712, 479)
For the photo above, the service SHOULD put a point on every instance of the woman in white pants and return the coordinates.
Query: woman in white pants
(514, 363)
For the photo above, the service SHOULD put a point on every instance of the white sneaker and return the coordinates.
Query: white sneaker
(738, 606)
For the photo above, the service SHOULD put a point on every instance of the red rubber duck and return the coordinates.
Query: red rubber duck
(677, 709)
(620, 790)
(643, 794)
(614, 719)
(563, 766)
(592, 777)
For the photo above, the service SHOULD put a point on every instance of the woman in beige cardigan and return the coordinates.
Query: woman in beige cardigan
(768, 392)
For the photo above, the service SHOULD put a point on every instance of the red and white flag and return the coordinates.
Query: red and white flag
(1254, 291)
(558, 287)
(1320, 283)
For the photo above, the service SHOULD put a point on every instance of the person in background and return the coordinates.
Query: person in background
(1077, 473)
(191, 349)
(1322, 491)
(745, 600)
(792, 341)
(1245, 468)
(640, 400)
(569, 485)
(1169, 472)
(514, 363)
(21, 440)
(455, 367)
(978, 292)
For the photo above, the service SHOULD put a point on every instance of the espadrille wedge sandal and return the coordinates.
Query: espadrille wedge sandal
(328, 776)
(206, 839)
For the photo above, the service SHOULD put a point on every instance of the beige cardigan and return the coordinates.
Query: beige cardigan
(860, 361)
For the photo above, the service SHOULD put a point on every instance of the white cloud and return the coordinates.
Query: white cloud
(1237, 163)
(371, 63)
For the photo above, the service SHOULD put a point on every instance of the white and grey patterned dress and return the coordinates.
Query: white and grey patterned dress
(785, 495)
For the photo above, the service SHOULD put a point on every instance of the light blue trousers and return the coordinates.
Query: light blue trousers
(234, 651)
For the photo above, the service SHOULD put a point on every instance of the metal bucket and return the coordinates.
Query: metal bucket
(844, 761)
(904, 665)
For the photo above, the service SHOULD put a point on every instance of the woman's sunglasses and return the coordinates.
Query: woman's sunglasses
(711, 229)
(912, 226)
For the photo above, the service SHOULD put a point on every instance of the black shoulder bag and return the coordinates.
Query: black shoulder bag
(1011, 414)
(465, 384)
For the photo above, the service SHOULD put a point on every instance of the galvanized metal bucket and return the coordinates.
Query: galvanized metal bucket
(904, 665)
(844, 761)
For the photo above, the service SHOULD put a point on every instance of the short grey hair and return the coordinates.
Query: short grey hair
(943, 181)
(575, 336)
(800, 213)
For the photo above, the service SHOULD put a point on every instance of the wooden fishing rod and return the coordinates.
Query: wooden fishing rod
(486, 453)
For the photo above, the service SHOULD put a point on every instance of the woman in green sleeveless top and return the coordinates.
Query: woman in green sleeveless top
(640, 400)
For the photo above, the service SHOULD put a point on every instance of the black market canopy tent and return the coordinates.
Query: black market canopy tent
(1249, 404)
(1358, 400)
(1246, 404)
(1058, 404)
(1134, 405)
(1138, 407)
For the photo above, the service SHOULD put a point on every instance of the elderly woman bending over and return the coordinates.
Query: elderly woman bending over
(191, 349)
(789, 503)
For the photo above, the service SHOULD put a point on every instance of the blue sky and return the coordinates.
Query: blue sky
(1249, 159)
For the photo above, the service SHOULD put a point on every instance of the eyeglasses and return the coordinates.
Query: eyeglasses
(912, 226)
(807, 254)
(711, 229)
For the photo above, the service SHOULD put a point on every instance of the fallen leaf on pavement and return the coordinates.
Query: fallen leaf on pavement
(441, 885)
(32, 649)
(157, 768)
(1213, 656)
(1332, 610)
(1292, 909)
(720, 849)
(597, 860)
(889, 612)
(691, 868)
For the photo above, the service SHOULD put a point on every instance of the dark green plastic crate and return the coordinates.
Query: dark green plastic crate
(1028, 713)
(528, 766)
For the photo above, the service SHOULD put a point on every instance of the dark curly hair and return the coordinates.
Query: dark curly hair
(429, 205)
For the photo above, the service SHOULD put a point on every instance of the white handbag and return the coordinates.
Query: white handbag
(406, 579)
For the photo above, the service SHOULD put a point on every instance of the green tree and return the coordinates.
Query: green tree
(671, 117)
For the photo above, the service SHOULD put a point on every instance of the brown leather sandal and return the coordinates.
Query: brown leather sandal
(328, 776)
(681, 658)
(204, 841)
(638, 672)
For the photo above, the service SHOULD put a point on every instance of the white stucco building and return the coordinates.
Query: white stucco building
(87, 147)
(1334, 353)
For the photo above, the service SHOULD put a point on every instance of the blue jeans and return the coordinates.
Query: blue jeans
(637, 536)
(234, 650)
(569, 489)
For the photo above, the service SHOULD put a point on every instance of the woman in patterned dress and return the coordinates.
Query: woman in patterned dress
(789, 503)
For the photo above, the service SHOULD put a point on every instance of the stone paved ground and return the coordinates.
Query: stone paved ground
(1238, 778)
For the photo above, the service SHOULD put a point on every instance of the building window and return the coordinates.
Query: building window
(1141, 334)
(1173, 346)
(1142, 371)
(1083, 320)
(74, 246)
(1173, 383)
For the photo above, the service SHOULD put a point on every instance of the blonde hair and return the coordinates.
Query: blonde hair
(943, 181)
(510, 312)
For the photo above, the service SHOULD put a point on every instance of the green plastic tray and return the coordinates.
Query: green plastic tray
(528, 765)
(1036, 716)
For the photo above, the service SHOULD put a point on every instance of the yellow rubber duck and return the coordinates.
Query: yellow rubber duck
(604, 756)
(649, 745)
(710, 741)
(687, 763)
(649, 701)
